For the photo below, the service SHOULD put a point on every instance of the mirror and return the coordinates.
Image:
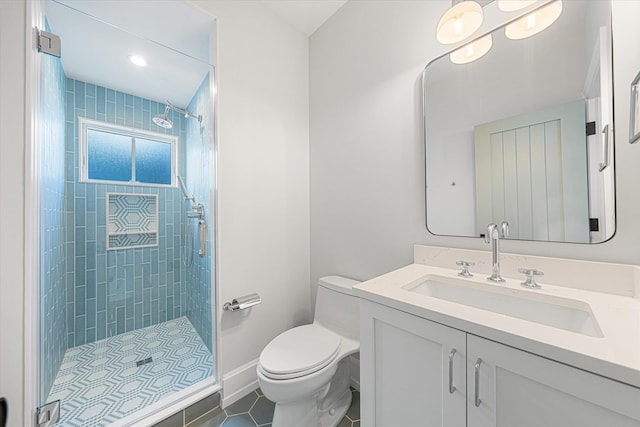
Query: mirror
(505, 135)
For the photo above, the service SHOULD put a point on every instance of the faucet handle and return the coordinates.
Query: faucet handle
(504, 229)
(531, 273)
(465, 268)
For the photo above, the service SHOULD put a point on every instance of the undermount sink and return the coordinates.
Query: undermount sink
(558, 312)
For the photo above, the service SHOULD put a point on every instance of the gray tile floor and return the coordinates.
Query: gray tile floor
(256, 410)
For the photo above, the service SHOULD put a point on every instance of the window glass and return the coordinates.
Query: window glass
(153, 161)
(108, 156)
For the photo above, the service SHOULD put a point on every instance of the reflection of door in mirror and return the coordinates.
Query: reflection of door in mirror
(531, 170)
(598, 96)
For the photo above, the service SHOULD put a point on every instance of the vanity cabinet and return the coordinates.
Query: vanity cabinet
(415, 372)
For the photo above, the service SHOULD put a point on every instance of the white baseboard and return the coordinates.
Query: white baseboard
(238, 383)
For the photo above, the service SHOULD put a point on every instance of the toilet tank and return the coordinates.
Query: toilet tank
(336, 307)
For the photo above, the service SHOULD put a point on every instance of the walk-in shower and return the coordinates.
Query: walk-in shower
(125, 307)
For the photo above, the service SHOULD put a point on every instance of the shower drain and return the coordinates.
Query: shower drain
(144, 361)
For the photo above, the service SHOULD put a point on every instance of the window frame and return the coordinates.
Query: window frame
(85, 124)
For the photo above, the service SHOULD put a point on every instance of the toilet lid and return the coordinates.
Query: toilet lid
(299, 351)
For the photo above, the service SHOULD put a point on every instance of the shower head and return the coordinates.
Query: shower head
(162, 120)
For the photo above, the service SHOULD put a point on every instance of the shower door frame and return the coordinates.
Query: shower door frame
(34, 18)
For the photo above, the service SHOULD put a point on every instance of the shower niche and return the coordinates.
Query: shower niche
(126, 311)
(132, 220)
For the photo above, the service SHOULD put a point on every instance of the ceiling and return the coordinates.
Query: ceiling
(304, 15)
(177, 41)
(96, 52)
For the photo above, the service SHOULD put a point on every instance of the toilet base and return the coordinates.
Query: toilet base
(308, 415)
(332, 416)
(325, 408)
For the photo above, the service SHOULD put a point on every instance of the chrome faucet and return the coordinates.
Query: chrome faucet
(493, 237)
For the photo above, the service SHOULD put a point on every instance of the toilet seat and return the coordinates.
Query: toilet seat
(299, 351)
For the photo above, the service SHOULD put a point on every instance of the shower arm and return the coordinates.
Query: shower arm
(184, 190)
(185, 112)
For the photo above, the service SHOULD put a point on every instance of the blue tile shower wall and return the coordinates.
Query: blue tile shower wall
(53, 333)
(199, 177)
(117, 291)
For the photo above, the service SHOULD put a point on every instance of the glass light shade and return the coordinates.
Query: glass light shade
(459, 22)
(534, 22)
(472, 51)
(513, 5)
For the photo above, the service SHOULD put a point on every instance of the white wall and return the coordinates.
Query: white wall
(263, 228)
(12, 135)
(367, 155)
(263, 177)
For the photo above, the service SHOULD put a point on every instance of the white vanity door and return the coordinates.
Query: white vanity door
(518, 389)
(404, 365)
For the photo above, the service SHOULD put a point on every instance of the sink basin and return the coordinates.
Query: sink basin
(558, 312)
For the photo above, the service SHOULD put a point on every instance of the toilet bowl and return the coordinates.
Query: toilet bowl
(305, 370)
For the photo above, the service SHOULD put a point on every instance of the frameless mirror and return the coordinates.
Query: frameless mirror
(525, 134)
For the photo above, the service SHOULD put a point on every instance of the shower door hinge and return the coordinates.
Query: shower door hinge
(48, 43)
(48, 414)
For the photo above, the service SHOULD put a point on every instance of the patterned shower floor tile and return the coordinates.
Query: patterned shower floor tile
(101, 382)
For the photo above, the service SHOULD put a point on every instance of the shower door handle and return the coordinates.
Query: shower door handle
(202, 238)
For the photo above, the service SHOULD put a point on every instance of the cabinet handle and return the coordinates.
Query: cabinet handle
(452, 388)
(477, 391)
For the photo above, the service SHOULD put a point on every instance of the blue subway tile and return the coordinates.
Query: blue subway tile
(91, 283)
(91, 256)
(81, 301)
(91, 226)
(101, 296)
(101, 326)
(91, 313)
(79, 92)
(111, 112)
(80, 242)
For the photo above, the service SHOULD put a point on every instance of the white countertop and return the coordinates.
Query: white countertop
(616, 355)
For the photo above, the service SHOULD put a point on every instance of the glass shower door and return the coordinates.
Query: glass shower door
(126, 298)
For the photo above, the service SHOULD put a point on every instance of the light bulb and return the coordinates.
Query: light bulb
(534, 22)
(472, 51)
(459, 22)
(457, 26)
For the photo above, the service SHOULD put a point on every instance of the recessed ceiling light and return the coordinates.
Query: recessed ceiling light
(138, 60)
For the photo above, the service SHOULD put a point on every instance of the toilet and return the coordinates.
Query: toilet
(305, 370)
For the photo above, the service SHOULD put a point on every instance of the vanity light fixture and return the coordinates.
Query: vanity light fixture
(472, 51)
(459, 22)
(138, 60)
(513, 5)
(534, 22)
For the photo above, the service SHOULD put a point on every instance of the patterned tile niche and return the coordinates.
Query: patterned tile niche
(117, 291)
(132, 220)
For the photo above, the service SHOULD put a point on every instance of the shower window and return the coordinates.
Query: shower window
(117, 154)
